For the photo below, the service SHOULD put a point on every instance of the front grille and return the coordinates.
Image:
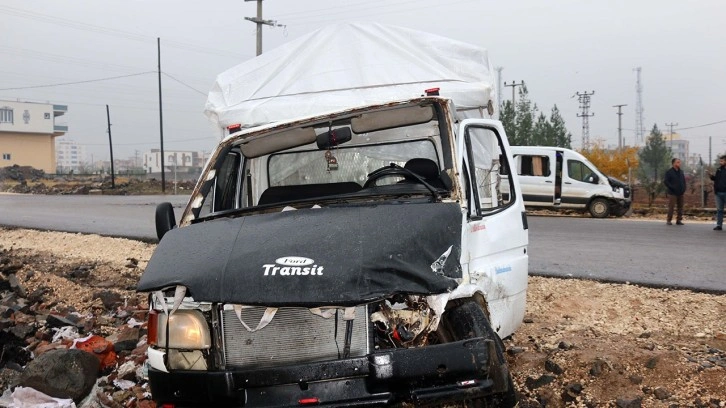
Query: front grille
(294, 335)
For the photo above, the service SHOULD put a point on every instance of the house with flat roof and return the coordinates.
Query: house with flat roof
(27, 134)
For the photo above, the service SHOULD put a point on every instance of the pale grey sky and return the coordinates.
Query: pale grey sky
(558, 47)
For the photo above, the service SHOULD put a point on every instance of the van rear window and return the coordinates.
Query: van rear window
(538, 166)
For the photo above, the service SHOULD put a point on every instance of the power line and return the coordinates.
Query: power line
(700, 126)
(188, 86)
(63, 22)
(77, 82)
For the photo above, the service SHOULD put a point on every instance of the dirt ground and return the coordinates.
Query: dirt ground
(583, 343)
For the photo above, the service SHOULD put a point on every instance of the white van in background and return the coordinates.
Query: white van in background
(559, 178)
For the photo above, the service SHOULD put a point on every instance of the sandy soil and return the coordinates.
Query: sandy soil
(583, 343)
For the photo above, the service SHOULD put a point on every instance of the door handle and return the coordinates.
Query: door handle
(548, 181)
(567, 182)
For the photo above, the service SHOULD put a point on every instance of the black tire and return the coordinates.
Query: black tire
(599, 208)
(468, 320)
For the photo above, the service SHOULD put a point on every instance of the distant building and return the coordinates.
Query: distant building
(679, 147)
(186, 164)
(28, 132)
(70, 156)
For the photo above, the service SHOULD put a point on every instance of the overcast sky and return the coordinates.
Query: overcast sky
(558, 47)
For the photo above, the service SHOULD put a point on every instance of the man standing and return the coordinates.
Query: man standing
(675, 183)
(719, 190)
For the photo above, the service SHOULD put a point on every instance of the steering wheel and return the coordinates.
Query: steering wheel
(387, 171)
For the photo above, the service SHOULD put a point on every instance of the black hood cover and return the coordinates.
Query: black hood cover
(313, 257)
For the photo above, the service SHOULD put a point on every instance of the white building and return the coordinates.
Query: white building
(181, 162)
(27, 133)
(70, 156)
(679, 147)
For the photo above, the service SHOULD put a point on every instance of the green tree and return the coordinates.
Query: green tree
(507, 116)
(654, 160)
(542, 131)
(558, 136)
(525, 118)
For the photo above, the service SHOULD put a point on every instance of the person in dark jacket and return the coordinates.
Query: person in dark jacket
(675, 183)
(719, 190)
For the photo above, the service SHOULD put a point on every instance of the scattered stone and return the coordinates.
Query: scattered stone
(571, 391)
(636, 379)
(598, 367)
(661, 393)
(553, 367)
(629, 402)
(563, 345)
(16, 287)
(533, 383)
(109, 299)
(62, 373)
(644, 335)
(58, 321)
(651, 363)
(513, 351)
(528, 320)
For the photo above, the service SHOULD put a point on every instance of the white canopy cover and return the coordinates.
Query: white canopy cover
(348, 65)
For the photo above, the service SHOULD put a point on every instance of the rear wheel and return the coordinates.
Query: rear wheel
(465, 321)
(600, 208)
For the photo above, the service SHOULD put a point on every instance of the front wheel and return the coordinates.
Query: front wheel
(465, 321)
(600, 208)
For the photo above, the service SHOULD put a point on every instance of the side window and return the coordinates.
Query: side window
(538, 166)
(486, 160)
(579, 171)
(224, 194)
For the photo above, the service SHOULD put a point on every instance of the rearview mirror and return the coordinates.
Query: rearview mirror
(165, 219)
(333, 138)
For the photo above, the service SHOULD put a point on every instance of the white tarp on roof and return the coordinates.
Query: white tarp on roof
(347, 65)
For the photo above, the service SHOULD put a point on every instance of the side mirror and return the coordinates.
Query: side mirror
(594, 179)
(334, 138)
(165, 219)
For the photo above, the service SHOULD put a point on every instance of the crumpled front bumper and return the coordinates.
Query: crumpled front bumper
(440, 373)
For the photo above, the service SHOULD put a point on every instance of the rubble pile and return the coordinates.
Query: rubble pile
(93, 356)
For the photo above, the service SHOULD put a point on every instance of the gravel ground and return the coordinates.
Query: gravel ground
(583, 343)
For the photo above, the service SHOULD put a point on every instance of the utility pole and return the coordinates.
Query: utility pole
(621, 142)
(671, 131)
(514, 85)
(259, 21)
(584, 99)
(499, 86)
(110, 146)
(161, 119)
(639, 128)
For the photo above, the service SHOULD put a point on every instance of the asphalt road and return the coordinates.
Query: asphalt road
(617, 250)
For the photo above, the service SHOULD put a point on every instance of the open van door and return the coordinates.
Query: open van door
(538, 175)
(495, 232)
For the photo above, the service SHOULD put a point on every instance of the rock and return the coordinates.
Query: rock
(661, 393)
(126, 339)
(533, 383)
(528, 320)
(22, 331)
(644, 335)
(651, 363)
(563, 345)
(571, 391)
(513, 351)
(636, 379)
(598, 367)
(16, 286)
(58, 321)
(629, 402)
(62, 373)
(109, 299)
(553, 367)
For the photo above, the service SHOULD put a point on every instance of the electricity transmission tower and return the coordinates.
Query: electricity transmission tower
(584, 99)
(260, 22)
(639, 128)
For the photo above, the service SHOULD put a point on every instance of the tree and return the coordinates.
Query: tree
(615, 163)
(654, 160)
(525, 118)
(507, 116)
(524, 126)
